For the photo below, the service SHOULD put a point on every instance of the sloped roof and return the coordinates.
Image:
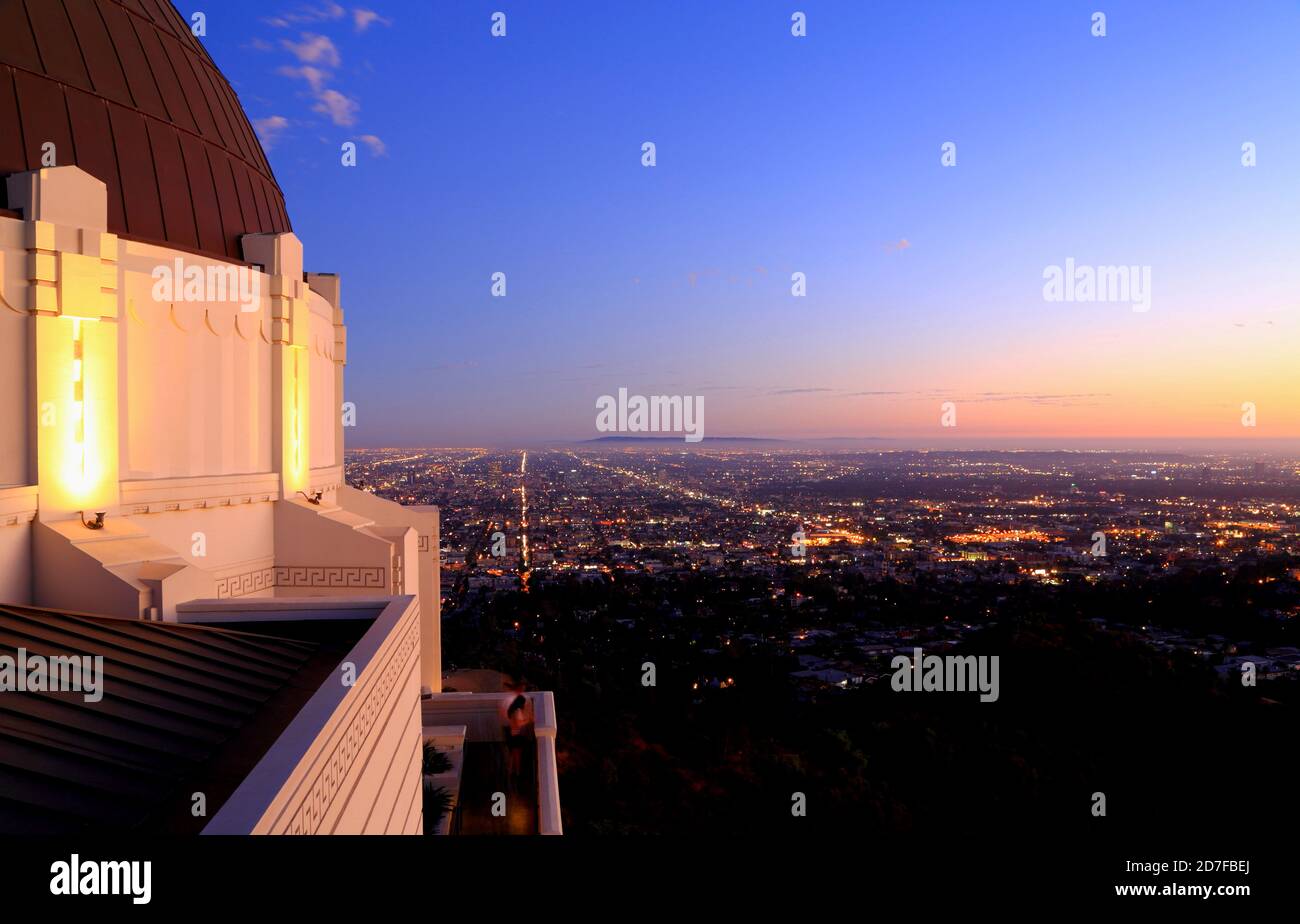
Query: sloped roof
(184, 709)
(126, 92)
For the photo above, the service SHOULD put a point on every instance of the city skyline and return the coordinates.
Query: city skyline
(925, 283)
(782, 603)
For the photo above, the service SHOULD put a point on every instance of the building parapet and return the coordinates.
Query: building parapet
(349, 762)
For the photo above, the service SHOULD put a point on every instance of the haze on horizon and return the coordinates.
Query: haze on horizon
(775, 155)
(1284, 450)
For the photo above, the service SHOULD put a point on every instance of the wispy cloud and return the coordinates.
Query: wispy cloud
(694, 276)
(314, 76)
(318, 60)
(318, 56)
(307, 13)
(341, 109)
(363, 19)
(799, 391)
(1033, 398)
(269, 129)
(376, 145)
(314, 49)
(989, 397)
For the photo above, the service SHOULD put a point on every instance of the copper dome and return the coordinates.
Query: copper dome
(127, 93)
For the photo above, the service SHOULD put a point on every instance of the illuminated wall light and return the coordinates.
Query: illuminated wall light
(79, 449)
(297, 419)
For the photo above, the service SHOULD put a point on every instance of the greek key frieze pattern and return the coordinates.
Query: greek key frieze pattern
(334, 770)
(239, 585)
(330, 576)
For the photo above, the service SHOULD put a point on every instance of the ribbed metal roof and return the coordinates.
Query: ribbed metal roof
(127, 93)
(184, 709)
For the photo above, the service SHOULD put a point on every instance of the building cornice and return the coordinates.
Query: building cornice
(161, 495)
(18, 504)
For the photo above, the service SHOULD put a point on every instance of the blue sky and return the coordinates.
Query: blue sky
(778, 154)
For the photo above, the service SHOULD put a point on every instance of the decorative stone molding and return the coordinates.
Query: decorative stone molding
(329, 287)
(18, 505)
(331, 576)
(322, 773)
(67, 205)
(280, 256)
(332, 772)
(270, 576)
(327, 479)
(249, 582)
(163, 495)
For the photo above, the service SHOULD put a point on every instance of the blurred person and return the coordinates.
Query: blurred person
(517, 710)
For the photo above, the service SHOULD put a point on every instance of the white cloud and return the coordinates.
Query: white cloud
(341, 109)
(269, 129)
(363, 19)
(376, 145)
(318, 58)
(314, 76)
(314, 49)
(307, 13)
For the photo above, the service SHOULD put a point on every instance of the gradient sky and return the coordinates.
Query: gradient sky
(775, 154)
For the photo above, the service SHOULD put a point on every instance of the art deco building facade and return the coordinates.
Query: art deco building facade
(267, 631)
